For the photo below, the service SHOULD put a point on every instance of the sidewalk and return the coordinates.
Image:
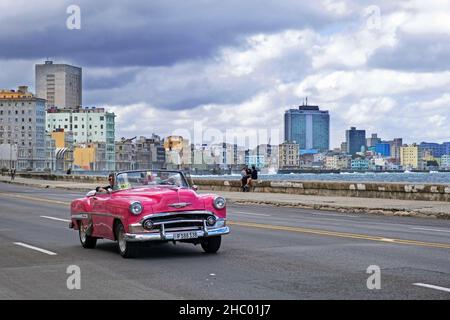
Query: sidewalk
(390, 207)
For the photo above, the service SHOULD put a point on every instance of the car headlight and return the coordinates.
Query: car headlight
(219, 203)
(136, 208)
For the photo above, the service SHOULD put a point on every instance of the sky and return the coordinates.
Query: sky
(166, 66)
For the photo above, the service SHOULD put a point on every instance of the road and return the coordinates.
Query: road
(272, 253)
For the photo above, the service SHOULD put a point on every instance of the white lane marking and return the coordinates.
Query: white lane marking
(432, 287)
(428, 229)
(57, 219)
(252, 214)
(35, 248)
(387, 240)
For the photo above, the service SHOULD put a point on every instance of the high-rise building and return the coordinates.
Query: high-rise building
(22, 128)
(59, 84)
(383, 149)
(307, 126)
(356, 140)
(373, 140)
(396, 144)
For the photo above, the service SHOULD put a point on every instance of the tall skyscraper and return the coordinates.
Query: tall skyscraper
(396, 144)
(308, 126)
(356, 140)
(373, 141)
(59, 84)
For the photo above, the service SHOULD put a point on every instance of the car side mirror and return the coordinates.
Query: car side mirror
(194, 187)
(91, 193)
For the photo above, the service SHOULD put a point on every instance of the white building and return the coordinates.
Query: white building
(445, 161)
(22, 124)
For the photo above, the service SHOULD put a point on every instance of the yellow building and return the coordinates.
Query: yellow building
(64, 149)
(409, 157)
(60, 139)
(84, 157)
(22, 93)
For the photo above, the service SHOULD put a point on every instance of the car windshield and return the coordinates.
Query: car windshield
(139, 179)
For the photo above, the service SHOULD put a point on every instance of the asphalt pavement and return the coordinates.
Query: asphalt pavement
(271, 253)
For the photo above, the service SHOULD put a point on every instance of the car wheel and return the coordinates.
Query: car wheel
(86, 240)
(211, 244)
(127, 249)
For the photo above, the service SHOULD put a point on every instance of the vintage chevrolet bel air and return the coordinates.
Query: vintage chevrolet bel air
(150, 205)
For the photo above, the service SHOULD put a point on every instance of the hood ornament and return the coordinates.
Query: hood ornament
(179, 205)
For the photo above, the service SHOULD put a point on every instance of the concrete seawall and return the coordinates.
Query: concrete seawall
(401, 191)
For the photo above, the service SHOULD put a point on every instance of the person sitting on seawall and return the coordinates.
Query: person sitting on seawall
(254, 178)
(249, 180)
(108, 188)
(244, 178)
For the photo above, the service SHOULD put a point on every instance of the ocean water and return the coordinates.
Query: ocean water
(409, 177)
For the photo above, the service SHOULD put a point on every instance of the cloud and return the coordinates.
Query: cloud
(154, 33)
(166, 65)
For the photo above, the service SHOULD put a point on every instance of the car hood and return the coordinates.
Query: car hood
(165, 199)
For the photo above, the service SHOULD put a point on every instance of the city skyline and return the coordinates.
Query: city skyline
(362, 61)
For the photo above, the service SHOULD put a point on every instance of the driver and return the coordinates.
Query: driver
(108, 188)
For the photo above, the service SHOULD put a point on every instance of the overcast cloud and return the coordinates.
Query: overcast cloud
(161, 65)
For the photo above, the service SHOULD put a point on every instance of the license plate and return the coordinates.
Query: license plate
(185, 235)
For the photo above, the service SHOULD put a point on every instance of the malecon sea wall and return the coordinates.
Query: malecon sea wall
(402, 191)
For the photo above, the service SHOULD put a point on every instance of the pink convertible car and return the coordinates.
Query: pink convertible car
(148, 206)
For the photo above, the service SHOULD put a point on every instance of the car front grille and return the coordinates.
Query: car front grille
(177, 221)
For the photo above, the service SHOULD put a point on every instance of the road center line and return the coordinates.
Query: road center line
(340, 234)
(34, 198)
(430, 286)
(428, 229)
(50, 253)
(57, 219)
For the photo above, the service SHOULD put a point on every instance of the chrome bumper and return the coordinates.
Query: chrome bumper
(137, 237)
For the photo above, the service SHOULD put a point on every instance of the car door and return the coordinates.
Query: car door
(99, 214)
